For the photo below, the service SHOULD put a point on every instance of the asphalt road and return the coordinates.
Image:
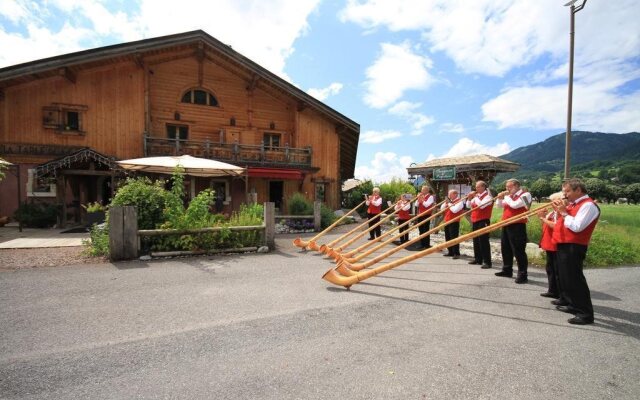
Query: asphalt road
(265, 326)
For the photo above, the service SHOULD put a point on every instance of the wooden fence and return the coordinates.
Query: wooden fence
(124, 236)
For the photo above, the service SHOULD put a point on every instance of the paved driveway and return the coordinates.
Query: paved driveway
(265, 326)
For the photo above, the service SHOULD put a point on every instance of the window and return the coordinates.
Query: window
(179, 131)
(72, 121)
(201, 97)
(64, 118)
(271, 140)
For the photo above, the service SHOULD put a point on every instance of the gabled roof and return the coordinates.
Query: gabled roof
(65, 65)
(475, 162)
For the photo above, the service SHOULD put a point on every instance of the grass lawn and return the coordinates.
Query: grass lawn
(615, 241)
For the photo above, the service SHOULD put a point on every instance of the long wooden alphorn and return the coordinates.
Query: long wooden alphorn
(387, 233)
(332, 251)
(361, 266)
(347, 281)
(357, 228)
(301, 243)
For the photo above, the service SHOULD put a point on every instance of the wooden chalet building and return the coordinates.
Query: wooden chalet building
(65, 120)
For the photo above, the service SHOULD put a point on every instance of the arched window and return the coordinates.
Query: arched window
(199, 96)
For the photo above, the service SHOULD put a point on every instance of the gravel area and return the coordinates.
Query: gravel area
(45, 257)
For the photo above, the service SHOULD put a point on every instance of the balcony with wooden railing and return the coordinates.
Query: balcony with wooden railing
(233, 153)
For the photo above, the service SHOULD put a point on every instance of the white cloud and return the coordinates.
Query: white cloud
(13, 10)
(262, 31)
(397, 69)
(467, 147)
(384, 167)
(451, 127)
(378, 136)
(407, 111)
(324, 93)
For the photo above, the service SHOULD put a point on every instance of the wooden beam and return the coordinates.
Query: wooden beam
(252, 84)
(67, 74)
(302, 106)
(88, 172)
(138, 60)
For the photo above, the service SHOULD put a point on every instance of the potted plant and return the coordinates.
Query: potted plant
(95, 213)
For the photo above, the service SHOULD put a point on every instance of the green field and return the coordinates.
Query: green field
(615, 242)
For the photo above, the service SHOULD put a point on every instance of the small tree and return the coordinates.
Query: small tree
(632, 192)
(541, 188)
(391, 191)
(597, 188)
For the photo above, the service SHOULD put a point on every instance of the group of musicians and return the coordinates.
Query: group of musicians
(567, 230)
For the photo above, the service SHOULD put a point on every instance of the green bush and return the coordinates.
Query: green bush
(36, 215)
(391, 191)
(99, 243)
(356, 196)
(150, 199)
(327, 216)
(299, 205)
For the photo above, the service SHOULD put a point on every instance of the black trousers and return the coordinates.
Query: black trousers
(552, 273)
(405, 237)
(452, 231)
(481, 246)
(425, 241)
(374, 219)
(570, 262)
(514, 243)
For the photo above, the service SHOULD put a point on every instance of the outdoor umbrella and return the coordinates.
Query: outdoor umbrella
(192, 166)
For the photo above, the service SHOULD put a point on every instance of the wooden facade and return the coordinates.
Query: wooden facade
(178, 94)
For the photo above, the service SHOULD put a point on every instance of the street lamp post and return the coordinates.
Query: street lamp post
(567, 148)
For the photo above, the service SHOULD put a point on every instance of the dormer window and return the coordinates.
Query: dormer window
(199, 96)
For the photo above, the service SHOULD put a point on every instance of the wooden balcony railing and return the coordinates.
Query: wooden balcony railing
(234, 153)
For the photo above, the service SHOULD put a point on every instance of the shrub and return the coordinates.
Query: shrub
(150, 199)
(327, 216)
(99, 243)
(36, 215)
(299, 205)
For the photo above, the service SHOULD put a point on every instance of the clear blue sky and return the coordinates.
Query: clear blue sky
(423, 78)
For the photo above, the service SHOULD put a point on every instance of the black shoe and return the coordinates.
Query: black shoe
(370, 238)
(567, 309)
(474, 262)
(455, 257)
(549, 294)
(506, 274)
(521, 279)
(580, 320)
(448, 255)
(559, 302)
(397, 242)
(486, 266)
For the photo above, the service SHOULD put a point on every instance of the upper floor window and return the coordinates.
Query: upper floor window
(271, 140)
(177, 131)
(199, 96)
(64, 117)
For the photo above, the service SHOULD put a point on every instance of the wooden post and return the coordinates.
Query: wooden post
(123, 233)
(270, 225)
(317, 220)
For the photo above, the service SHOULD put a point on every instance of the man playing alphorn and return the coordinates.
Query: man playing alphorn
(513, 242)
(425, 201)
(374, 204)
(455, 207)
(481, 204)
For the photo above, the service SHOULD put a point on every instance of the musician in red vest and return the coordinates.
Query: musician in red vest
(513, 241)
(455, 207)
(481, 203)
(572, 233)
(548, 221)
(402, 207)
(425, 201)
(374, 208)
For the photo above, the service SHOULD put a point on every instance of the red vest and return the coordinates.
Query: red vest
(448, 215)
(562, 234)
(403, 215)
(422, 208)
(546, 241)
(477, 213)
(374, 209)
(512, 212)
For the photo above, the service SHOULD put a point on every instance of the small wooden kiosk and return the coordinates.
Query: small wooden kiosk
(461, 173)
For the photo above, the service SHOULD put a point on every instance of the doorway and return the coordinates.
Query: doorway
(276, 191)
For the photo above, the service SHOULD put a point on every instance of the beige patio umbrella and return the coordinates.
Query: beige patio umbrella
(193, 166)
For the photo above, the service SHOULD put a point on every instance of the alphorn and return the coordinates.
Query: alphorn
(357, 267)
(347, 281)
(387, 233)
(357, 228)
(311, 243)
(329, 250)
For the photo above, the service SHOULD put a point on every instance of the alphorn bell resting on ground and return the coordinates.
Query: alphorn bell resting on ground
(311, 242)
(481, 204)
(334, 276)
(347, 263)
